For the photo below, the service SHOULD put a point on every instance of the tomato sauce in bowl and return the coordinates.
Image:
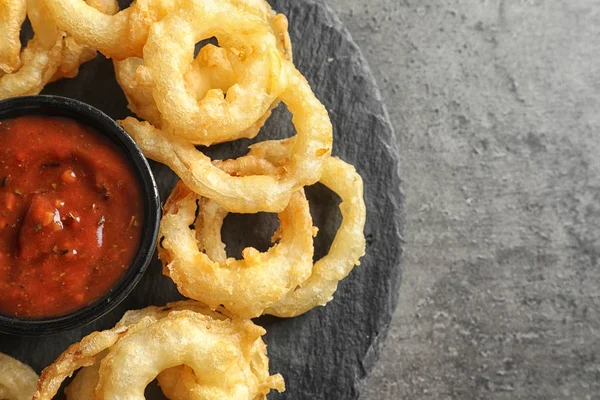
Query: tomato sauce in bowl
(71, 215)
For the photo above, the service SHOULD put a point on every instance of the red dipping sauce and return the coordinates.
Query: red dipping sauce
(70, 216)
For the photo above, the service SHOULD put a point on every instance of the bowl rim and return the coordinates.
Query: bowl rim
(50, 105)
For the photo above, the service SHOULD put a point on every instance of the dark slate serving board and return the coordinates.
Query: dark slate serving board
(325, 353)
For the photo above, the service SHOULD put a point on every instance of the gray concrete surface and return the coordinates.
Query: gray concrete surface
(496, 105)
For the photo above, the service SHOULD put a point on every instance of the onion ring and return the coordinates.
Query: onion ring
(244, 287)
(117, 36)
(78, 355)
(74, 54)
(84, 384)
(255, 193)
(49, 55)
(125, 33)
(221, 352)
(17, 380)
(348, 245)
(39, 59)
(87, 352)
(212, 68)
(12, 16)
(156, 329)
(216, 117)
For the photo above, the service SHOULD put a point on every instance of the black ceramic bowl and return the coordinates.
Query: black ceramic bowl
(104, 125)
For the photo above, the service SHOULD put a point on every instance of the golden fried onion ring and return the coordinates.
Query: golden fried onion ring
(220, 352)
(228, 356)
(124, 34)
(49, 55)
(213, 68)
(254, 193)
(117, 36)
(39, 59)
(12, 15)
(75, 54)
(348, 245)
(17, 380)
(244, 287)
(218, 115)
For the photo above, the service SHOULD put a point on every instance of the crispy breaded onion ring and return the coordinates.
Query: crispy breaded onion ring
(84, 384)
(228, 356)
(116, 36)
(221, 353)
(254, 193)
(214, 67)
(244, 287)
(218, 115)
(12, 15)
(39, 60)
(49, 55)
(74, 54)
(17, 380)
(348, 245)
(90, 349)
(78, 355)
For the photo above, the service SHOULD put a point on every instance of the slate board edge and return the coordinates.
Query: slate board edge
(397, 198)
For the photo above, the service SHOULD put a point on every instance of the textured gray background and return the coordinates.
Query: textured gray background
(496, 107)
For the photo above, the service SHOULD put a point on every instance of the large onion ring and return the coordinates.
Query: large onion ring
(255, 193)
(213, 68)
(221, 353)
(244, 287)
(84, 384)
(216, 117)
(78, 355)
(17, 380)
(229, 352)
(348, 245)
(12, 15)
(124, 34)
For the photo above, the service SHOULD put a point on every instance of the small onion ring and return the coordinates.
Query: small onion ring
(244, 287)
(17, 380)
(217, 116)
(255, 193)
(348, 245)
(12, 16)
